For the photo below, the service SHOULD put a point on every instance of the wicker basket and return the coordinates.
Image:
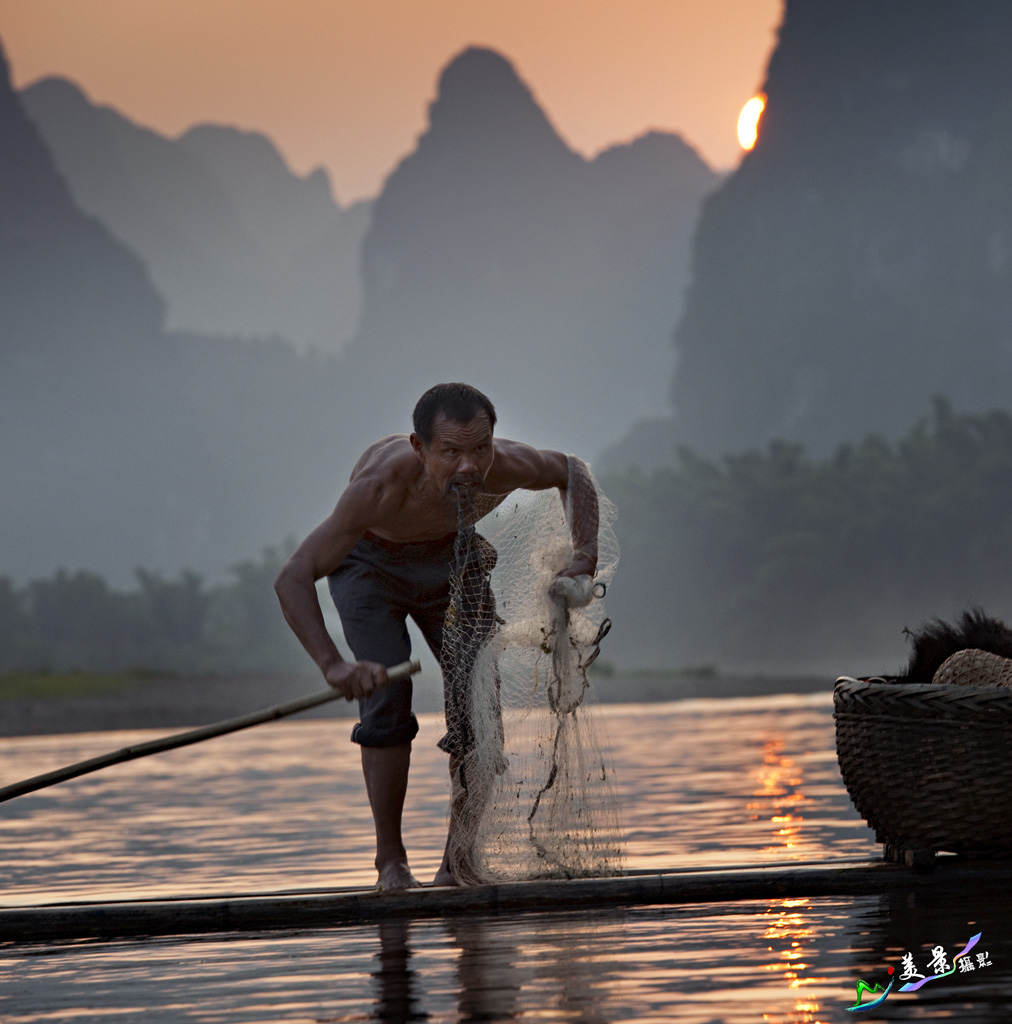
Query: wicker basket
(929, 767)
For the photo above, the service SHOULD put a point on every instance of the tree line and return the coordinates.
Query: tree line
(774, 560)
(75, 621)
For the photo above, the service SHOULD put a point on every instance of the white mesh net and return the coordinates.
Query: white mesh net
(532, 788)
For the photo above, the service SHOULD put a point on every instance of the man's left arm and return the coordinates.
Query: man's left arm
(579, 497)
(520, 466)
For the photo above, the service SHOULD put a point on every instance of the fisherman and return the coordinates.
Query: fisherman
(388, 550)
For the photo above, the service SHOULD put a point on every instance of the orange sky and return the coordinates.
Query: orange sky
(346, 83)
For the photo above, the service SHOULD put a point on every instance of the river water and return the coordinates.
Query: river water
(282, 808)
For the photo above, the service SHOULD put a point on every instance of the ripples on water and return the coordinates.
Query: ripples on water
(282, 807)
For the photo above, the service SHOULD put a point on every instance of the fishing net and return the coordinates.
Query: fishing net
(532, 790)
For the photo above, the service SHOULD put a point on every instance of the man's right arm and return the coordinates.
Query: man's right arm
(318, 556)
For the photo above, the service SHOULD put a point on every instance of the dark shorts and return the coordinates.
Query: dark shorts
(375, 589)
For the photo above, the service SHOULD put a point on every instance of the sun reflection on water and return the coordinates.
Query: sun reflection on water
(791, 939)
(779, 789)
(789, 935)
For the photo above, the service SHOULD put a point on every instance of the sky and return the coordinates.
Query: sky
(346, 84)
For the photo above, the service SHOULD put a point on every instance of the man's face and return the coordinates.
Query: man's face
(460, 454)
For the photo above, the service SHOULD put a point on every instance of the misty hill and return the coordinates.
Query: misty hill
(125, 445)
(860, 259)
(498, 255)
(235, 241)
(79, 311)
(104, 288)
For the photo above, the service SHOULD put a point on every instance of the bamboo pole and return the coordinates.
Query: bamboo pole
(183, 739)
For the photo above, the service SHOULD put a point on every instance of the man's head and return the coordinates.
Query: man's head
(453, 436)
(458, 403)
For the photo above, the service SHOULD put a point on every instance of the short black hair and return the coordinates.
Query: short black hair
(459, 403)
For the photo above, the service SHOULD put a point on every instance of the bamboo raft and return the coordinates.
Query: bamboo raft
(338, 907)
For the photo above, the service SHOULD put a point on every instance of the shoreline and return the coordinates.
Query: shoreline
(179, 703)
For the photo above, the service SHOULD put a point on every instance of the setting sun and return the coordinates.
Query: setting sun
(748, 121)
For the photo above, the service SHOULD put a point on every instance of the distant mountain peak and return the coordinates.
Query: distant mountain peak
(56, 87)
(479, 91)
(654, 159)
(252, 163)
(478, 70)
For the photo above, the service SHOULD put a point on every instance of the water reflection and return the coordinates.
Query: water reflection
(710, 782)
(502, 967)
(398, 999)
(779, 787)
(488, 976)
(793, 944)
(782, 962)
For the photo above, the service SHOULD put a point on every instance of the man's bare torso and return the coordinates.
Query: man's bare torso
(407, 507)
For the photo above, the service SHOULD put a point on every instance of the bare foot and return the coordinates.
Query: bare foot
(396, 876)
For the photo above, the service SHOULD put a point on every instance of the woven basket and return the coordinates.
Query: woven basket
(929, 767)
